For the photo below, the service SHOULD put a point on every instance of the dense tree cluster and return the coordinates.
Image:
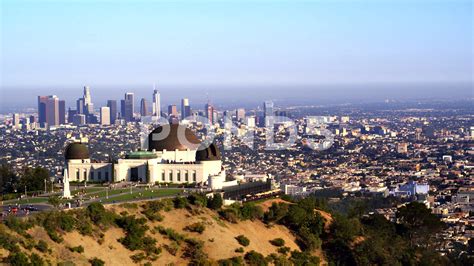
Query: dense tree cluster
(31, 179)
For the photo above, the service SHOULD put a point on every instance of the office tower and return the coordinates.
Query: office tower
(156, 104)
(209, 111)
(112, 104)
(80, 106)
(240, 114)
(62, 112)
(128, 107)
(70, 115)
(42, 109)
(172, 110)
(52, 110)
(16, 120)
(48, 110)
(32, 119)
(88, 105)
(268, 111)
(185, 108)
(143, 107)
(250, 121)
(173, 114)
(79, 119)
(105, 115)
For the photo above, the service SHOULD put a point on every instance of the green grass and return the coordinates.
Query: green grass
(89, 190)
(145, 195)
(27, 201)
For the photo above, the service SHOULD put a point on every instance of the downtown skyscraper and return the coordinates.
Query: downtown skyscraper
(144, 107)
(48, 110)
(112, 104)
(128, 106)
(185, 108)
(268, 112)
(88, 105)
(209, 112)
(156, 104)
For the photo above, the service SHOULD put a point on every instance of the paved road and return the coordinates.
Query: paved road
(8, 209)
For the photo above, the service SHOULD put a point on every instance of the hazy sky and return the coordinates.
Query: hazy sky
(100, 43)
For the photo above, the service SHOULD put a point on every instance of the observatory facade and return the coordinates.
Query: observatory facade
(174, 155)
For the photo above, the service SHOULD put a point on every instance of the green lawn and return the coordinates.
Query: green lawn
(27, 201)
(144, 195)
(88, 190)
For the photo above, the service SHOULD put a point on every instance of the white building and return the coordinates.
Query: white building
(156, 104)
(293, 189)
(105, 115)
(169, 159)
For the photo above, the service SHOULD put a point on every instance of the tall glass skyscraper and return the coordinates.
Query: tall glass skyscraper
(268, 112)
(185, 108)
(112, 104)
(128, 106)
(156, 104)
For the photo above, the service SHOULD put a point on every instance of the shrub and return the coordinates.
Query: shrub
(230, 215)
(8, 242)
(42, 246)
(196, 227)
(135, 235)
(239, 250)
(18, 225)
(152, 215)
(283, 250)
(99, 215)
(138, 257)
(96, 262)
(36, 260)
(251, 211)
(254, 258)
(193, 250)
(171, 234)
(18, 259)
(234, 261)
(151, 210)
(303, 258)
(278, 242)
(28, 243)
(276, 259)
(78, 249)
(172, 248)
(180, 202)
(244, 241)
(198, 199)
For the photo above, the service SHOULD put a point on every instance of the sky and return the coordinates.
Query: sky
(129, 44)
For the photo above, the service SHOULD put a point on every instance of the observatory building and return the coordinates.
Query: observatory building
(174, 155)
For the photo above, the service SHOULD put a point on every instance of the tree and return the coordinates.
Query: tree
(33, 178)
(216, 202)
(418, 224)
(254, 258)
(55, 201)
(8, 179)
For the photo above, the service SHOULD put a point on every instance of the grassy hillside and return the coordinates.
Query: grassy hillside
(166, 232)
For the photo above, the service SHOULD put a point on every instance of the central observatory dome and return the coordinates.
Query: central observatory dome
(165, 137)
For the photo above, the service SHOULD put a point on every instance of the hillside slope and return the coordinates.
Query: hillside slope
(218, 238)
